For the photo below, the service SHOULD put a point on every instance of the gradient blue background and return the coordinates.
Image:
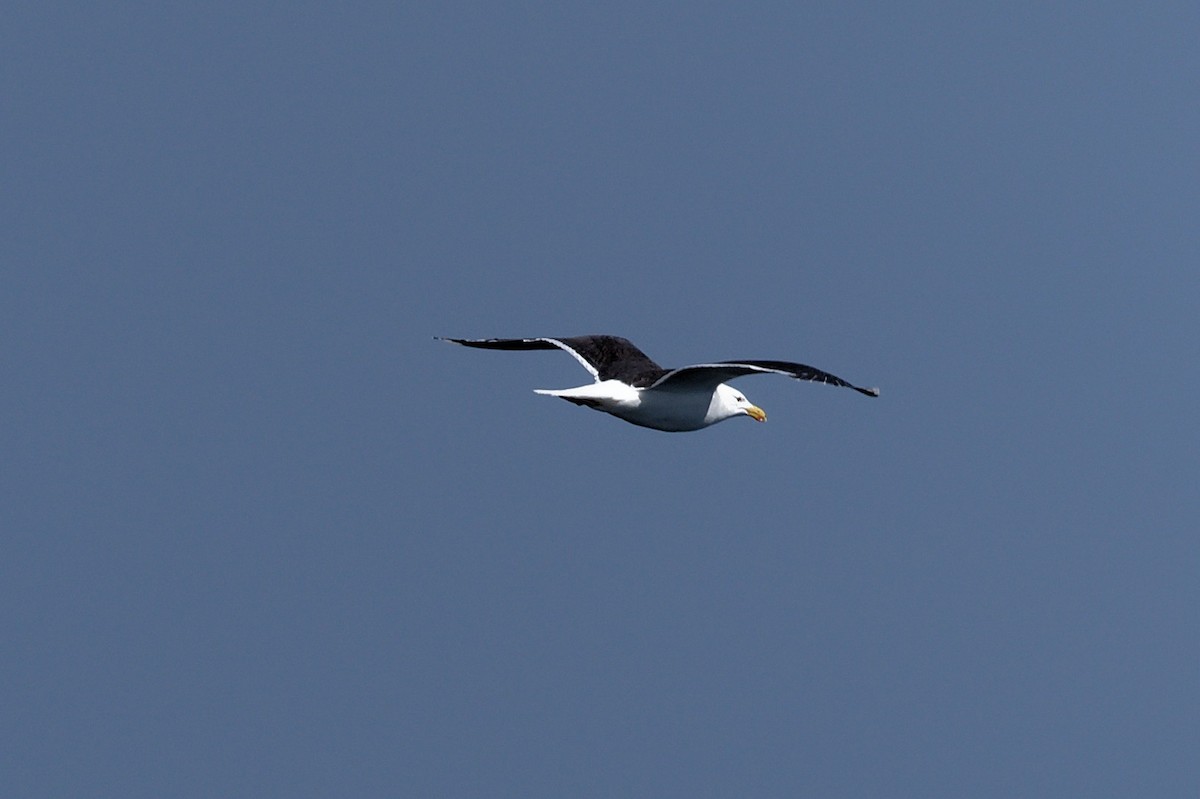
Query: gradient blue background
(262, 536)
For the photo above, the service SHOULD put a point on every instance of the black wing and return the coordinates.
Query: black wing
(711, 374)
(606, 357)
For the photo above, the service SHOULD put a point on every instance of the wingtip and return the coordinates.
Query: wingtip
(870, 392)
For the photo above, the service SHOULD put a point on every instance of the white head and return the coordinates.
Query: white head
(727, 402)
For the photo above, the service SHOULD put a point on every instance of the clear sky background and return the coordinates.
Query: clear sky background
(264, 537)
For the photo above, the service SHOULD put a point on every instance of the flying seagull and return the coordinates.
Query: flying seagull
(632, 387)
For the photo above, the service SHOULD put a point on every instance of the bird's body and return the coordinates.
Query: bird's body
(673, 411)
(630, 386)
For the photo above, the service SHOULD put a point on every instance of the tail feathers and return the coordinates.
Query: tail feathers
(584, 401)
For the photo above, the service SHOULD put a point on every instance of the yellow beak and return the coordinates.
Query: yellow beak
(756, 413)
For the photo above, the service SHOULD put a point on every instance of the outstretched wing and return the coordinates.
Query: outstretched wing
(712, 374)
(606, 357)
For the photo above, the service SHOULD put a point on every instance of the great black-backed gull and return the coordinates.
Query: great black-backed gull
(632, 387)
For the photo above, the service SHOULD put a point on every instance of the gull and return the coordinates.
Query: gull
(630, 386)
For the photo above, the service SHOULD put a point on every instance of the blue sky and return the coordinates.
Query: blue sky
(265, 537)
